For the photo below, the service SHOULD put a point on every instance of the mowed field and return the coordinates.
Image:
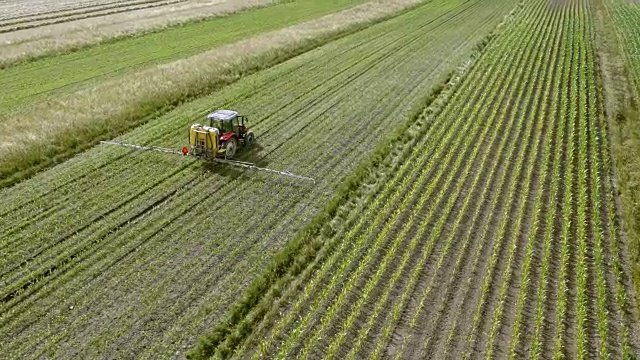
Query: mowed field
(464, 203)
(124, 254)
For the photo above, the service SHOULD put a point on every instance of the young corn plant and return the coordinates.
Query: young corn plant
(419, 267)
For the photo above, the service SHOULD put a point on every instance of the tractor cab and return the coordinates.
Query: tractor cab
(226, 121)
(231, 124)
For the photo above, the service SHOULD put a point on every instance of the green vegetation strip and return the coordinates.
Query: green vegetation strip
(27, 83)
(624, 17)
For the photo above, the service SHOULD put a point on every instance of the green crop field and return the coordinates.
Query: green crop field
(63, 105)
(493, 236)
(116, 251)
(465, 202)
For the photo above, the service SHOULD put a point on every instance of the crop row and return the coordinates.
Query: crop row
(140, 252)
(479, 244)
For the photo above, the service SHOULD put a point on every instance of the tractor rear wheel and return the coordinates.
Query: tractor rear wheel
(249, 138)
(230, 147)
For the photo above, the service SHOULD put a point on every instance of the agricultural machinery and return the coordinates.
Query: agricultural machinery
(217, 142)
(220, 139)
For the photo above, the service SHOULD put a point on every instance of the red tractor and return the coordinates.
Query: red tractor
(220, 139)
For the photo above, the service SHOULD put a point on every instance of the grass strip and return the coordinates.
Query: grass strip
(615, 27)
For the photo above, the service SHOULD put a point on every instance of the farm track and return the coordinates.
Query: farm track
(496, 235)
(177, 262)
(623, 17)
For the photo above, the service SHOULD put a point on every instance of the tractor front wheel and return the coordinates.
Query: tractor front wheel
(249, 138)
(230, 147)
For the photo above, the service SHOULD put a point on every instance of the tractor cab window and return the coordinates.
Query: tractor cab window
(239, 122)
(226, 126)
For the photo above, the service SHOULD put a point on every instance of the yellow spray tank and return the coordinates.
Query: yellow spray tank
(205, 141)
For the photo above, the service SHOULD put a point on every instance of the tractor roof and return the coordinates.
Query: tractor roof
(224, 115)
